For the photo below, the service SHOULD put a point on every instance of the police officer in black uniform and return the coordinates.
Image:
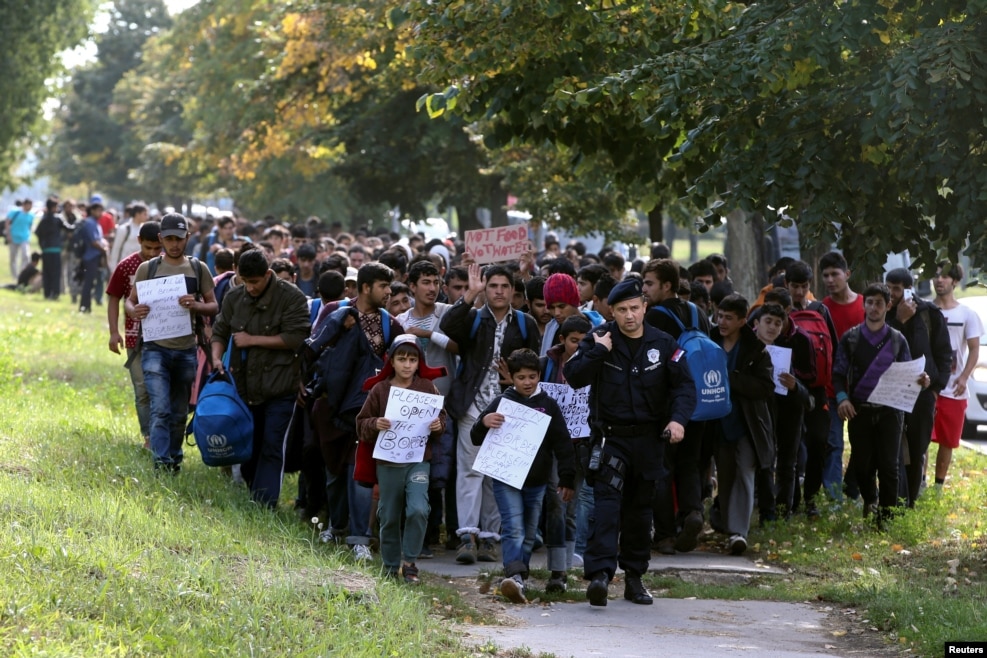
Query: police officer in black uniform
(642, 396)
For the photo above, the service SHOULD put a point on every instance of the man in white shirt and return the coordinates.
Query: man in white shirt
(965, 330)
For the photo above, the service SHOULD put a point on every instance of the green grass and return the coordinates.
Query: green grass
(101, 557)
(921, 582)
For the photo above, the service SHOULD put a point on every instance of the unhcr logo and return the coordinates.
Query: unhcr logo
(216, 441)
(714, 383)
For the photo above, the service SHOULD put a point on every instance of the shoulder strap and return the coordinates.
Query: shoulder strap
(152, 266)
(385, 323)
(343, 302)
(522, 324)
(197, 268)
(671, 314)
(694, 315)
(476, 325)
(314, 312)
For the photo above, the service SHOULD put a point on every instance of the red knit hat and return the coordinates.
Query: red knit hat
(561, 288)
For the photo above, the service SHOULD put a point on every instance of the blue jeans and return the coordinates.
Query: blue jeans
(360, 502)
(520, 510)
(142, 401)
(168, 376)
(265, 468)
(585, 504)
(91, 281)
(833, 465)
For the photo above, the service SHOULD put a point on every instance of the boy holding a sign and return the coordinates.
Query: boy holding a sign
(528, 428)
(403, 417)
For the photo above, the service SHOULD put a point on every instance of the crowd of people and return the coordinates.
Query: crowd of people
(321, 327)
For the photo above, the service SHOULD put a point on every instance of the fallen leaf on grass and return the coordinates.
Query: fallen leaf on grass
(856, 556)
(897, 548)
(838, 633)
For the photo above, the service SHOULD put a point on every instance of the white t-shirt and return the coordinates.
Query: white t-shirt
(963, 324)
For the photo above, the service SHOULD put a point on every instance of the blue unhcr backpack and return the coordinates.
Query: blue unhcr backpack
(223, 425)
(708, 366)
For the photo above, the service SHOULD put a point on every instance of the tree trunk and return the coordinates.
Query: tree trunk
(811, 253)
(745, 253)
(671, 232)
(656, 228)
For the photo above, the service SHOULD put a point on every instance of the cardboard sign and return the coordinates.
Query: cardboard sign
(898, 387)
(167, 318)
(410, 413)
(574, 403)
(492, 245)
(509, 450)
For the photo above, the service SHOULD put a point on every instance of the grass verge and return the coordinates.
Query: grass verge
(101, 557)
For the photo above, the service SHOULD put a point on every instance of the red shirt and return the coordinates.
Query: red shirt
(845, 315)
(108, 224)
(120, 285)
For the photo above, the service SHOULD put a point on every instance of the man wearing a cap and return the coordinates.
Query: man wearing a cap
(120, 286)
(169, 363)
(642, 395)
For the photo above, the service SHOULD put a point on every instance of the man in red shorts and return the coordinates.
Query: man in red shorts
(965, 330)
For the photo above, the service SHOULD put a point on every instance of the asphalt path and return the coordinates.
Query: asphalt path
(669, 627)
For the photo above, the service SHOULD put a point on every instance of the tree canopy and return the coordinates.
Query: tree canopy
(848, 116)
(32, 34)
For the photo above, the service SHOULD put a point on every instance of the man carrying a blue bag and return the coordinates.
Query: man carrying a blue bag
(268, 320)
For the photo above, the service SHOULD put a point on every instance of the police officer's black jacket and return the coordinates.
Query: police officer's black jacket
(556, 441)
(476, 350)
(653, 386)
(927, 335)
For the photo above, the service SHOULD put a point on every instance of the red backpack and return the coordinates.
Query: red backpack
(812, 343)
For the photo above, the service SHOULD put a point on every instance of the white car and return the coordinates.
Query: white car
(976, 409)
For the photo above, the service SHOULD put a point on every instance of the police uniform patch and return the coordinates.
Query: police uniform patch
(654, 356)
(677, 355)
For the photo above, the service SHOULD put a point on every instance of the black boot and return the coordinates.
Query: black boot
(598, 589)
(634, 590)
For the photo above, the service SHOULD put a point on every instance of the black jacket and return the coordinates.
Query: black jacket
(346, 360)
(49, 231)
(927, 335)
(476, 351)
(682, 310)
(556, 441)
(752, 388)
(652, 386)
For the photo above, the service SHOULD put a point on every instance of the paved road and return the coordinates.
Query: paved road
(670, 627)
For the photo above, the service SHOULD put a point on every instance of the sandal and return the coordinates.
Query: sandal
(410, 572)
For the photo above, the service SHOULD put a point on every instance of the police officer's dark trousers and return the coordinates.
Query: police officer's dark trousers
(621, 530)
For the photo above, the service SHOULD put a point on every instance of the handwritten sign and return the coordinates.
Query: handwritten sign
(574, 403)
(410, 413)
(492, 245)
(167, 318)
(509, 450)
(898, 387)
(781, 362)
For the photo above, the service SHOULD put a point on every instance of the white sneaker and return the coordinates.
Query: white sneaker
(362, 552)
(577, 560)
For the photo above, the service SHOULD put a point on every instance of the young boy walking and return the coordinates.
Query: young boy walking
(520, 509)
(403, 487)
